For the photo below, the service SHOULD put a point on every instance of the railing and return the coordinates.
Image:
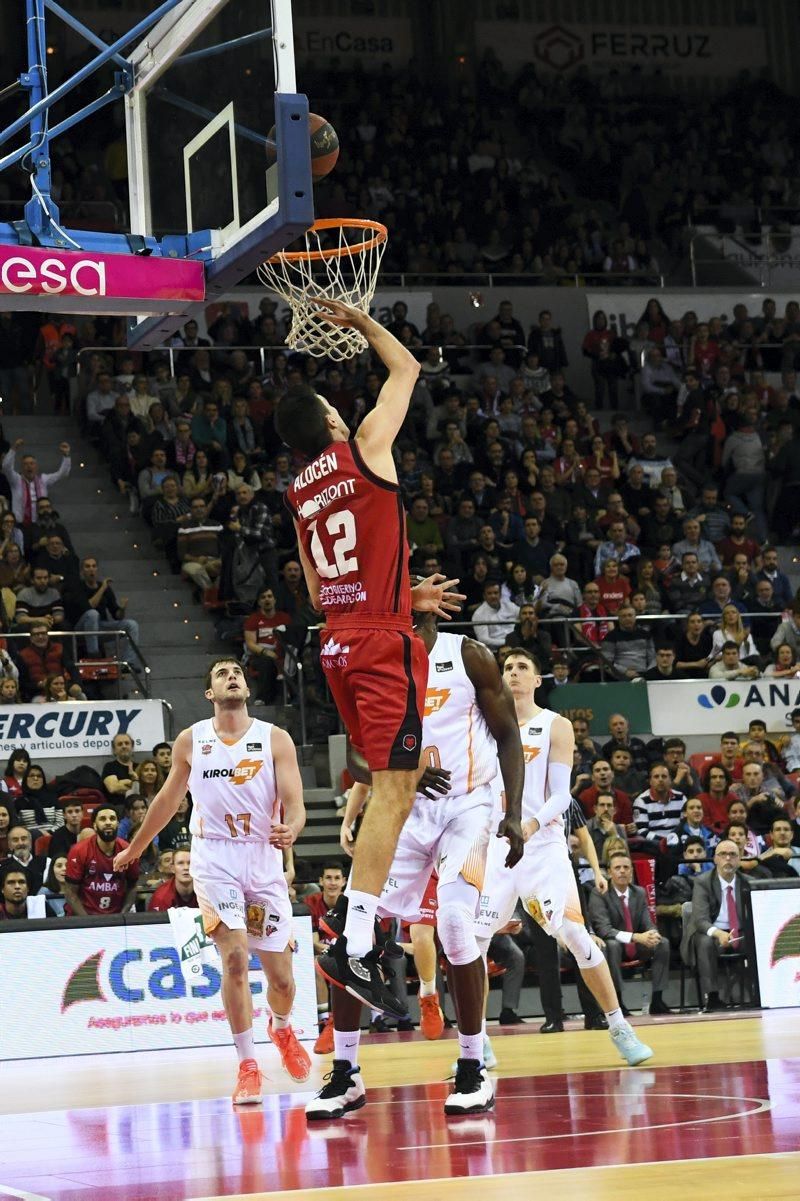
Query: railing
(747, 258)
(140, 674)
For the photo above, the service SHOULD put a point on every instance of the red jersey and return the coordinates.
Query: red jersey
(318, 907)
(265, 628)
(352, 528)
(100, 889)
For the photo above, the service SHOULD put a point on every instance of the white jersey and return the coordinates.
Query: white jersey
(454, 731)
(535, 734)
(233, 788)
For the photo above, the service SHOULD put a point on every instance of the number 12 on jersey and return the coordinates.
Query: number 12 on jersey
(340, 529)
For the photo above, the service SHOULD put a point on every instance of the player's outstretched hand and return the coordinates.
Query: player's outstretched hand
(339, 313)
(281, 835)
(434, 595)
(434, 782)
(511, 829)
(123, 858)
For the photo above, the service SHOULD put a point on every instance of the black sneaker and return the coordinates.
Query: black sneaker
(361, 977)
(509, 1018)
(332, 926)
(379, 1025)
(473, 1091)
(342, 1092)
(597, 1022)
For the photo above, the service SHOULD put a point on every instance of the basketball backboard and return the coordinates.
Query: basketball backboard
(218, 156)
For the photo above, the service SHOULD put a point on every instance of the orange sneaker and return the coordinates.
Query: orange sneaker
(295, 1059)
(431, 1021)
(248, 1084)
(324, 1044)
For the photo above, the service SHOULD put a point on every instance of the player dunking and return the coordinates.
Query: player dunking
(350, 523)
(469, 727)
(543, 880)
(241, 773)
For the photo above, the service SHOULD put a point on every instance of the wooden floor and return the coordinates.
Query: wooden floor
(571, 1122)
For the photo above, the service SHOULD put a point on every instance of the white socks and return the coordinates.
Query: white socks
(470, 1046)
(345, 1045)
(615, 1019)
(427, 987)
(358, 928)
(279, 1023)
(245, 1045)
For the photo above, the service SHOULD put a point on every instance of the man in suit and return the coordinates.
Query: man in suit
(621, 918)
(716, 924)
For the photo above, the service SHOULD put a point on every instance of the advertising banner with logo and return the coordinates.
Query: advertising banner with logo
(46, 275)
(128, 988)
(84, 728)
(707, 707)
(776, 930)
(596, 703)
(370, 42)
(707, 50)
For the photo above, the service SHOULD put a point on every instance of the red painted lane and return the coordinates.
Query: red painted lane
(170, 1152)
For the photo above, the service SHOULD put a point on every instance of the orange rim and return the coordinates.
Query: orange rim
(380, 234)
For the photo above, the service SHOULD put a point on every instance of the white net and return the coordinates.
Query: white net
(335, 260)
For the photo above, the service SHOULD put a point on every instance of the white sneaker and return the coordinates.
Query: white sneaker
(473, 1091)
(629, 1045)
(343, 1092)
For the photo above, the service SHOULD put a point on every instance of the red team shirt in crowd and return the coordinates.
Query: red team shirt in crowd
(352, 527)
(101, 890)
(264, 629)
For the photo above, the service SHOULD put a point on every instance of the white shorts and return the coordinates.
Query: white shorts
(451, 835)
(239, 884)
(543, 880)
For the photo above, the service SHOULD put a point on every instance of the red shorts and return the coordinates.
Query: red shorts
(429, 903)
(378, 679)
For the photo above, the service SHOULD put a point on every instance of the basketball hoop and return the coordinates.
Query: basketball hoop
(340, 261)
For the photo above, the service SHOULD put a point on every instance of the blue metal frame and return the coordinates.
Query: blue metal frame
(41, 224)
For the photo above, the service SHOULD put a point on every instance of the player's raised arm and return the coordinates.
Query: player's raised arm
(289, 785)
(380, 427)
(559, 770)
(497, 706)
(309, 571)
(165, 803)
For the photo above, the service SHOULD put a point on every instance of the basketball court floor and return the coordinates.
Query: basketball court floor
(717, 1115)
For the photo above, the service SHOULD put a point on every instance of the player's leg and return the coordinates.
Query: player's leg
(391, 802)
(499, 896)
(281, 990)
(343, 1090)
(423, 947)
(238, 1002)
(555, 903)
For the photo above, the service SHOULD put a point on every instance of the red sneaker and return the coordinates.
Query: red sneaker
(295, 1059)
(248, 1084)
(431, 1021)
(324, 1044)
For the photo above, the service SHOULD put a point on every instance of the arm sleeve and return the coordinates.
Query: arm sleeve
(560, 798)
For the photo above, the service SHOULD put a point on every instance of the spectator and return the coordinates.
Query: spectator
(92, 606)
(665, 668)
(210, 433)
(660, 383)
(743, 453)
(717, 921)
(626, 777)
(170, 512)
(178, 891)
(47, 522)
(693, 649)
(493, 620)
(614, 589)
(716, 796)
(331, 886)
(91, 885)
(528, 635)
(790, 747)
(720, 597)
(559, 596)
(42, 657)
(781, 588)
(781, 859)
(176, 833)
(60, 561)
(737, 542)
(8, 819)
(603, 825)
(65, 837)
(17, 898)
(763, 798)
(151, 480)
(422, 530)
(20, 853)
(533, 551)
(197, 546)
(619, 728)
(30, 484)
(585, 746)
(713, 517)
(729, 667)
(148, 782)
(253, 539)
(765, 619)
(119, 774)
(602, 780)
(628, 651)
(53, 888)
(40, 604)
(788, 631)
(689, 589)
(263, 636)
(36, 806)
(591, 628)
(618, 548)
(55, 691)
(101, 400)
(693, 825)
(622, 919)
(657, 810)
(707, 557)
(731, 629)
(683, 776)
(546, 342)
(14, 775)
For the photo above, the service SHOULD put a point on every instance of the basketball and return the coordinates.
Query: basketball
(324, 146)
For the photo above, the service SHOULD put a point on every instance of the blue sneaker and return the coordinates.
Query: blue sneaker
(629, 1045)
